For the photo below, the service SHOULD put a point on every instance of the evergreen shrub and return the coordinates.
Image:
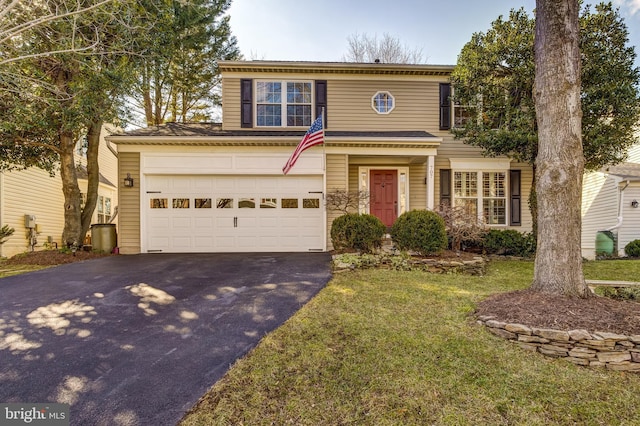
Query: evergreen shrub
(422, 231)
(352, 231)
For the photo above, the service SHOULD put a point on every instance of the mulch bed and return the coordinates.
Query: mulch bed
(52, 257)
(536, 309)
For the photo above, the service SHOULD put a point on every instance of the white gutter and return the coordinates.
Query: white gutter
(620, 207)
(113, 151)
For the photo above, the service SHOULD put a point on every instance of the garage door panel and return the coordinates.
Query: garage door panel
(204, 214)
(204, 223)
(203, 242)
(181, 222)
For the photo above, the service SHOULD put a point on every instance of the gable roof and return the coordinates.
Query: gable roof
(81, 172)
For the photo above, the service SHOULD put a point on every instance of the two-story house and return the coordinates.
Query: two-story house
(220, 187)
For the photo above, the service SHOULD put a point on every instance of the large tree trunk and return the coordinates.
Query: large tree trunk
(93, 174)
(72, 232)
(560, 162)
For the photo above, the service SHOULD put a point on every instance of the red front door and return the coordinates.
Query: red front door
(384, 195)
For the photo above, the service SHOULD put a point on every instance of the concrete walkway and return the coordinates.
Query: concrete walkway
(137, 340)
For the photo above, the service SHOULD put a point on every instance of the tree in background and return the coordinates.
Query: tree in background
(178, 79)
(494, 81)
(560, 160)
(61, 78)
(388, 50)
(67, 67)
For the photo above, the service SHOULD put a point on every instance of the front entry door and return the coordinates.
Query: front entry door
(384, 195)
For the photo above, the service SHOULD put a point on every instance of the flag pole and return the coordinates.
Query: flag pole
(324, 143)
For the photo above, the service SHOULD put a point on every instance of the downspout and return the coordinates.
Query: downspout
(620, 207)
(113, 151)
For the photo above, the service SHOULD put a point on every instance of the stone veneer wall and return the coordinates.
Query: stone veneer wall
(598, 349)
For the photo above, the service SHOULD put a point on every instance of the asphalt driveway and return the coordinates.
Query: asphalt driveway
(136, 340)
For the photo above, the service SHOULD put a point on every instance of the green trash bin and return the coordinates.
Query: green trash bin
(103, 237)
(605, 243)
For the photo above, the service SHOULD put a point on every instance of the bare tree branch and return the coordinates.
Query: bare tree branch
(15, 31)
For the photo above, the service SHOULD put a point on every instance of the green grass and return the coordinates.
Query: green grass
(9, 270)
(378, 347)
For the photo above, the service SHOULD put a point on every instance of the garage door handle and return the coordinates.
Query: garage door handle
(235, 222)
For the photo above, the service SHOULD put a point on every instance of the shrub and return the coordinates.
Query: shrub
(422, 231)
(354, 231)
(5, 232)
(633, 248)
(620, 293)
(509, 242)
(462, 226)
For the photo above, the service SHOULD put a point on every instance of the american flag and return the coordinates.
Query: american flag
(313, 137)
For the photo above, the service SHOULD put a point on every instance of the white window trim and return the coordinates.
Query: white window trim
(365, 208)
(489, 165)
(373, 102)
(283, 103)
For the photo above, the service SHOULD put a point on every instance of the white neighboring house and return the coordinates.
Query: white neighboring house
(34, 192)
(611, 202)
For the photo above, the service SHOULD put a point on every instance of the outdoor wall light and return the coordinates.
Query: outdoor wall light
(128, 181)
(634, 204)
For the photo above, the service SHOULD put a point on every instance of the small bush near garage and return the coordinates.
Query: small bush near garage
(354, 231)
(633, 248)
(509, 242)
(422, 231)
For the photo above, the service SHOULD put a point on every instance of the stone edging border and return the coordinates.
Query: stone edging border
(613, 351)
(434, 265)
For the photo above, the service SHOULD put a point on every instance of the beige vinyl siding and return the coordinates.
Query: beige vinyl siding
(454, 148)
(129, 204)
(349, 105)
(231, 103)
(107, 161)
(337, 166)
(32, 191)
(417, 187)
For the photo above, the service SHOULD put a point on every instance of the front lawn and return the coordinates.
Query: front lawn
(380, 347)
(7, 270)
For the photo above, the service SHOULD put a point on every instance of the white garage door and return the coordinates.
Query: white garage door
(233, 213)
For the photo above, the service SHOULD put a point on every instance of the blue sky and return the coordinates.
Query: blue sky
(305, 30)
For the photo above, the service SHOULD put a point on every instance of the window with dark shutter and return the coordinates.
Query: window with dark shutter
(514, 193)
(445, 187)
(246, 102)
(445, 106)
(321, 99)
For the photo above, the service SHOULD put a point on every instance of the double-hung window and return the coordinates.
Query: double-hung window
(284, 103)
(482, 194)
(494, 198)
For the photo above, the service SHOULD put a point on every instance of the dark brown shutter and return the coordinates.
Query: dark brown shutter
(445, 187)
(514, 193)
(445, 106)
(246, 102)
(321, 99)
